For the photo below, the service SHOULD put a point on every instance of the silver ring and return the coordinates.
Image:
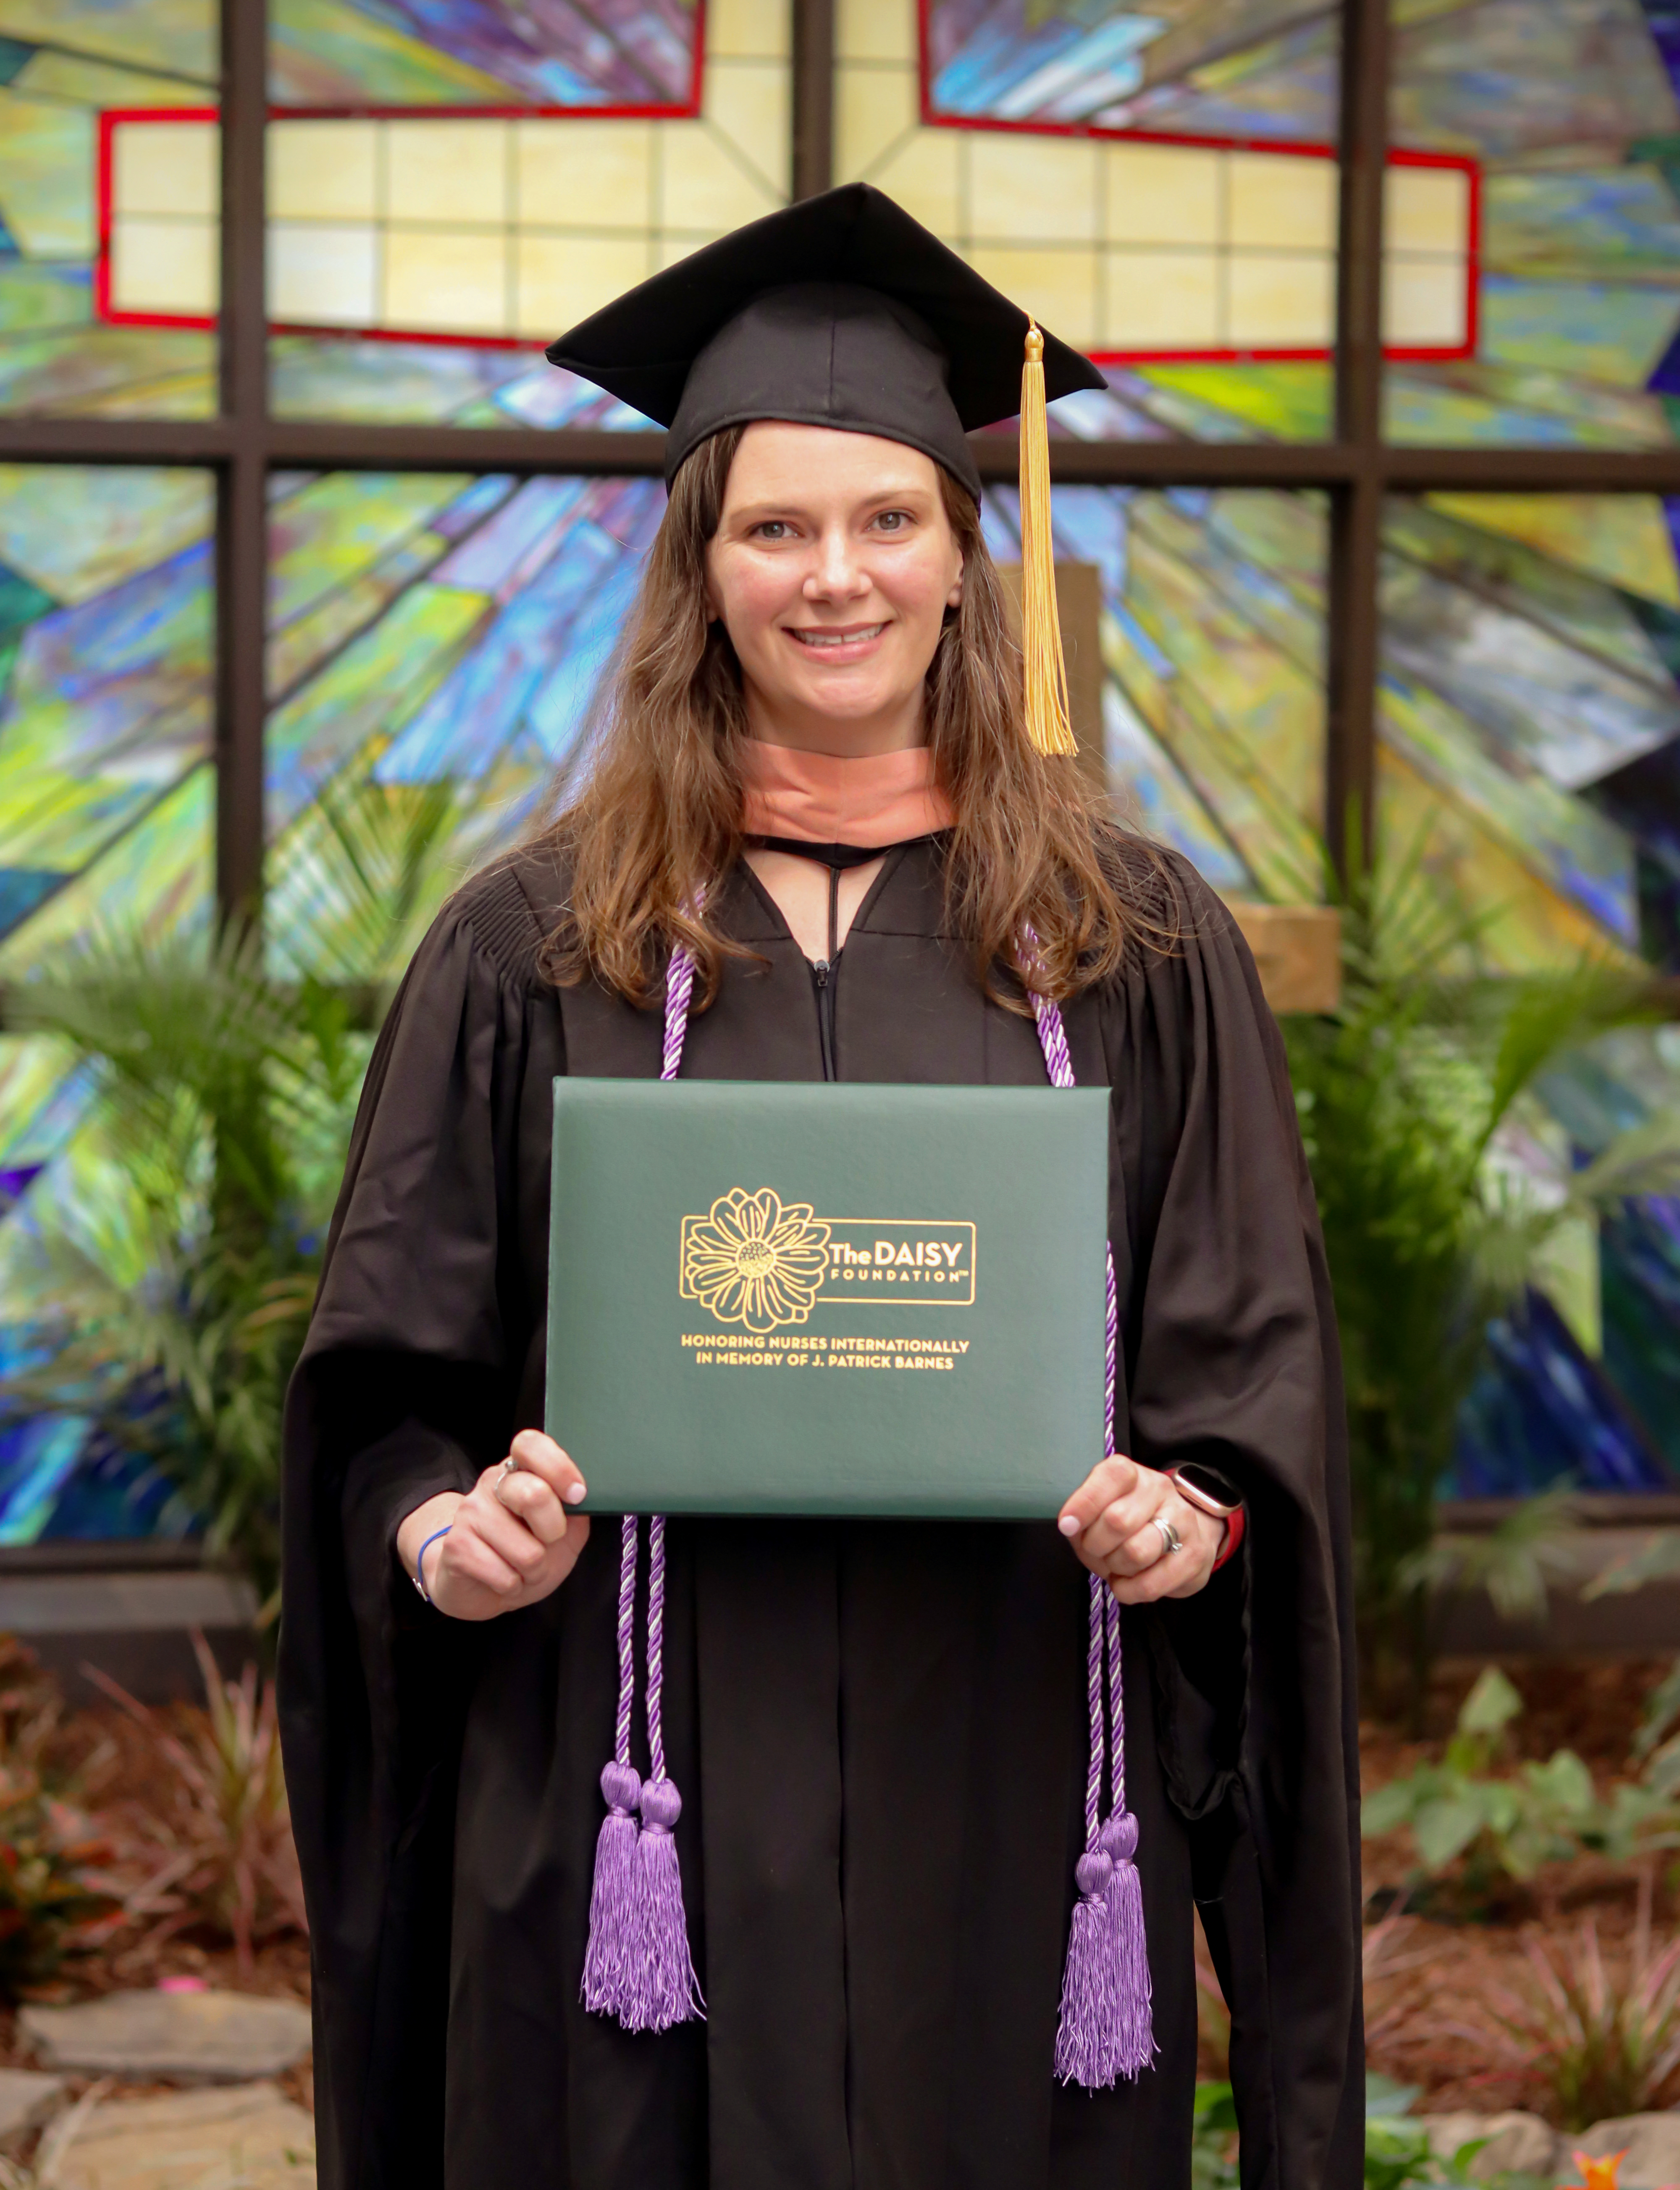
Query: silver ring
(509, 1466)
(1170, 1537)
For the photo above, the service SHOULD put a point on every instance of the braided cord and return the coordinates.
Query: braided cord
(1108, 1726)
(1093, 1698)
(679, 995)
(626, 1634)
(1116, 1708)
(656, 1645)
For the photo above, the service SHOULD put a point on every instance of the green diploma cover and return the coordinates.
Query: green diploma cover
(791, 1298)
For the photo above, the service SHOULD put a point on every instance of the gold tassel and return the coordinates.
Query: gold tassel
(1048, 723)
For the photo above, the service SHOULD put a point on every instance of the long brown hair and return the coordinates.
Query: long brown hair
(657, 814)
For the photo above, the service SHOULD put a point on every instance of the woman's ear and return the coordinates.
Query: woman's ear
(954, 598)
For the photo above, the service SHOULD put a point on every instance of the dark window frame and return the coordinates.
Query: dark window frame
(1355, 469)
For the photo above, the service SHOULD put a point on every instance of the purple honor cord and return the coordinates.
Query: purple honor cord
(1107, 2025)
(637, 1966)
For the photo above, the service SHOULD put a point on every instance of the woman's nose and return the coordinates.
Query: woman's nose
(836, 575)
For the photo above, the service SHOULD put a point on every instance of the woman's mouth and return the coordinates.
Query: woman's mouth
(820, 641)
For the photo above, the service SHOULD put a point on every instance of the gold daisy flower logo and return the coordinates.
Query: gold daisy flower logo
(754, 1259)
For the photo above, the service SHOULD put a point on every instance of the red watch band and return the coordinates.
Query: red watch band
(1236, 1527)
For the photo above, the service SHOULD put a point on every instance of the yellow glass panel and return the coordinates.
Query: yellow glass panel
(1277, 199)
(561, 280)
(323, 170)
(1427, 209)
(1622, 537)
(1161, 192)
(759, 28)
(703, 191)
(875, 31)
(567, 172)
(1423, 301)
(1160, 300)
(168, 168)
(49, 75)
(47, 177)
(1282, 301)
(449, 171)
(747, 104)
(453, 283)
(1058, 287)
(925, 176)
(324, 274)
(164, 266)
(875, 111)
(1033, 187)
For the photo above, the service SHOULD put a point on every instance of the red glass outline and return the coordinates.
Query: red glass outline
(931, 118)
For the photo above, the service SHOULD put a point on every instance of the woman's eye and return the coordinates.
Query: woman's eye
(773, 528)
(893, 520)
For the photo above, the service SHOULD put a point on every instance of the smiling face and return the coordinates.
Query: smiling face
(831, 569)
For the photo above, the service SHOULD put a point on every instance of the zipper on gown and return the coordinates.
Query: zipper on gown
(825, 976)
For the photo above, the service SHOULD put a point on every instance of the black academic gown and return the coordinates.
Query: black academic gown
(878, 1728)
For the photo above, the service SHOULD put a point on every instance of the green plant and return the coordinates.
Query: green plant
(57, 1899)
(1537, 1815)
(1543, 1812)
(172, 1289)
(1598, 2045)
(222, 1854)
(1402, 1092)
(1213, 2139)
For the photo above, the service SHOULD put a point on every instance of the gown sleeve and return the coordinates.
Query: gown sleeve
(1231, 1359)
(417, 1368)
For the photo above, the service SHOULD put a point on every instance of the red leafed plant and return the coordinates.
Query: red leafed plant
(57, 1898)
(1598, 2043)
(221, 1854)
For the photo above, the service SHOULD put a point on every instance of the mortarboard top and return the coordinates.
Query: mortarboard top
(841, 311)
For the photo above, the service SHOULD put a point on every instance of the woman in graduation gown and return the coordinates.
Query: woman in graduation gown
(879, 1728)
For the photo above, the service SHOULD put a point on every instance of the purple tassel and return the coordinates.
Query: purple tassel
(1087, 2036)
(1134, 2010)
(607, 1961)
(1107, 2027)
(663, 1988)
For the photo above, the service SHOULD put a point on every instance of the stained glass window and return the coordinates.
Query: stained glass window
(1530, 722)
(1161, 190)
(451, 186)
(1212, 642)
(106, 809)
(81, 327)
(1571, 111)
(436, 641)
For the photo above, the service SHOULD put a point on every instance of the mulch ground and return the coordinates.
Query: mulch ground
(1431, 1970)
(1435, 1971)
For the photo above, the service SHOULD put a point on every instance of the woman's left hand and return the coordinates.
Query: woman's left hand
(1112, 1522)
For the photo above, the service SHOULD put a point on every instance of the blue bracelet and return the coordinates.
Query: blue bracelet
(420, 1563)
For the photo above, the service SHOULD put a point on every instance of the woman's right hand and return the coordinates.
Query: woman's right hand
(511, 1541)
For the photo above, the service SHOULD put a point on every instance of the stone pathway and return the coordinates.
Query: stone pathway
(187, 2038)
(27, 2099)
(249, 2137)
(1520, 2143)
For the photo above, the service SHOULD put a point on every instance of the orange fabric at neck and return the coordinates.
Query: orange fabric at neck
(879, 798)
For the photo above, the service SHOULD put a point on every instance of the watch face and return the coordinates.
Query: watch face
(1211, 1483)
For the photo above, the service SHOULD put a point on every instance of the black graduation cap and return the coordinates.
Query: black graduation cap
(841, 310)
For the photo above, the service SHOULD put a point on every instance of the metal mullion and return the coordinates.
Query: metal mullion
(242, 517)
(1352, 610)
(305, 444)
(814, 64)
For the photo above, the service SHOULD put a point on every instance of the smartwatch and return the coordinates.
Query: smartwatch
(1216, 1495)
(1206, 1488)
